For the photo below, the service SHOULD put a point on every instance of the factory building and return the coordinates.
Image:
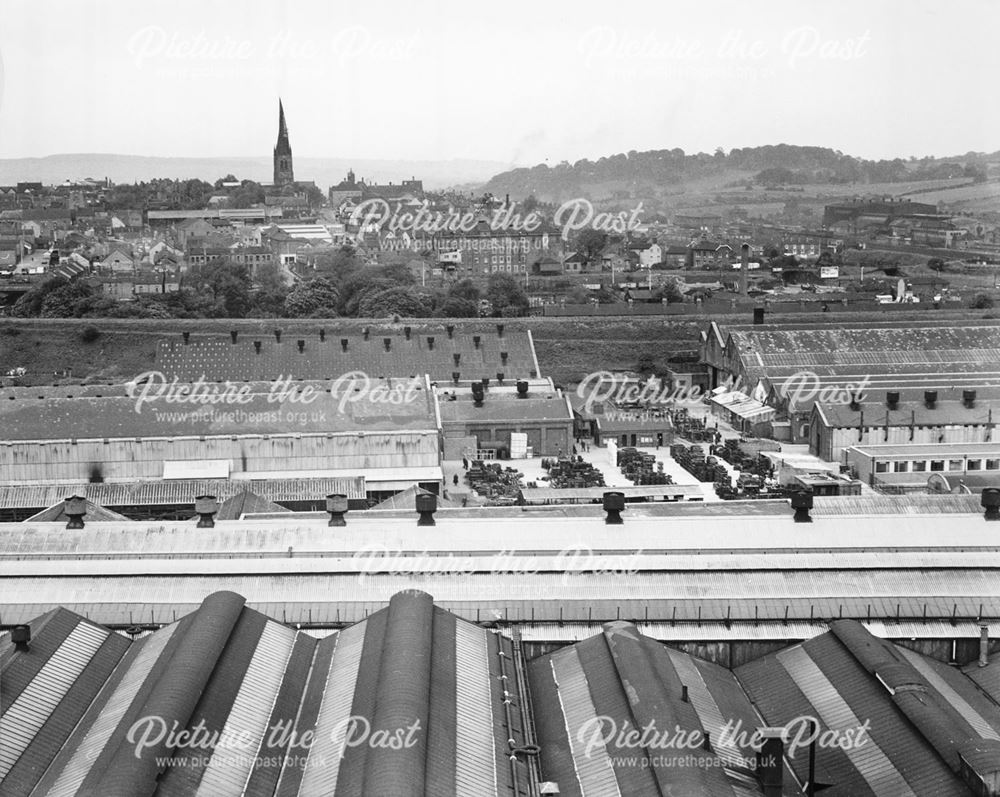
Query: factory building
(527, 671)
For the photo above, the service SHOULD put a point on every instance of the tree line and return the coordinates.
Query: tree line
(339, 285)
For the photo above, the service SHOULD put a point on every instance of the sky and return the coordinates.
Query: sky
(513, 82)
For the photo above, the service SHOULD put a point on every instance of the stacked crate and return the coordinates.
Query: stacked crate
(641, 468)
(572, 472)
(692, 458)
(495, 483)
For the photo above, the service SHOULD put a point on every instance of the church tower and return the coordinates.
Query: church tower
(283, 174)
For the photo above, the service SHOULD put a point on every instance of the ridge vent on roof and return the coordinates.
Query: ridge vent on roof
(199, 642)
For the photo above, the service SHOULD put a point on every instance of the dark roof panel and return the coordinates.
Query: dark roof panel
(53, 734)
(246, 502)
(266, 773)
(218, 358)
(831, 680)
(57, 514)
(197, 646)
(779, 700)
(555, 756)
(987, 678)
(217, 700)
(443, 721)
(906, 751)
(607, 693)
(48, 632)
(296, 759)
(351, 776)
(590, 696)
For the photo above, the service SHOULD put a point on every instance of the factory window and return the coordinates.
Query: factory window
(956, 464)
(975, 464)
(937, 464)
(900, 467)
(881, 467)
(920, 465)
(993, 464)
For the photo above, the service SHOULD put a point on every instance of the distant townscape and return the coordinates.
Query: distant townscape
(772, 225)
(662, 475)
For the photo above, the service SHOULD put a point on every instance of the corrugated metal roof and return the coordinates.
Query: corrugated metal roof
(969, 713)
(780, 701)
(696, 531)
(742, 631)
(216, 357)
(839, 655)
(108, 711)
(407, 499)
(232, 761)
(834, 713)
(246, 502)
(117, 418)
(36, 703)
(319, 599)
(554, 495)
(844, 345)
(328, 694)
(375, 478)
(617, 673)
(912, 504)
(572, 562)
(57, 514)
(988, 677)
(823, 678)
(635, 686)
(911, 413)
(179, 491)
(879, 588)
(745, 407)
(591, 761)
(709, 713)
(937, 450)
(475, 764)
(48, 630)
(333, 722)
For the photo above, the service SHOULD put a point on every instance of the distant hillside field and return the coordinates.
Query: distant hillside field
(668, 179)
(978, 197)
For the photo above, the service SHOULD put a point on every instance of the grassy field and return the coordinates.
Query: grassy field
(761, 201)
(889, 189)
(713, 194)
(980, 197)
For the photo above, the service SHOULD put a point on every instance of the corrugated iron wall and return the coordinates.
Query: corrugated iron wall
(833, 442)
(144, 458)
